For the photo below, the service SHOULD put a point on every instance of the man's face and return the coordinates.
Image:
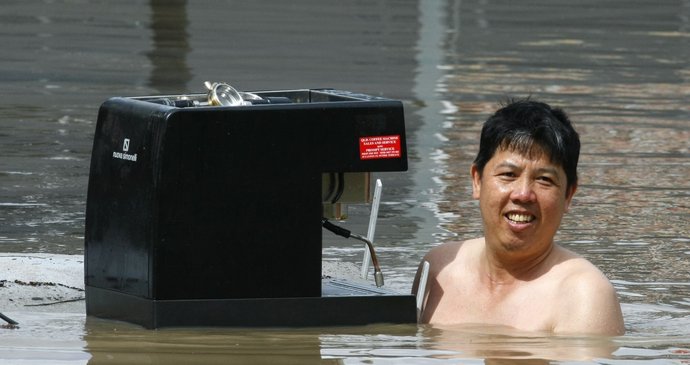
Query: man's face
(522, 200)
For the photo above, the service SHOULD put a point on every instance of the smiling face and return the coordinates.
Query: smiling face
(522, 199)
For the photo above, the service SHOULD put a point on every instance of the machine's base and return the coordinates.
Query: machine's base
(342, 304)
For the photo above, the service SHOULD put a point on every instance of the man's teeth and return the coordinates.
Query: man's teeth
(522, 218)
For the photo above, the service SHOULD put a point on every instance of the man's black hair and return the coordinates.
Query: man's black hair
(522, 125)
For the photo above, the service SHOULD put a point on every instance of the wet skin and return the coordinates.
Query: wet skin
(522, 200)
(516, 276)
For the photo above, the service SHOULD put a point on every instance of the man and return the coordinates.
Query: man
(524, 176)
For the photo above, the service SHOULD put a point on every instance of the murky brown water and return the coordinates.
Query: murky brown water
(620, 68)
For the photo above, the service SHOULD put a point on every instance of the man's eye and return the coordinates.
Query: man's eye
(545, 180)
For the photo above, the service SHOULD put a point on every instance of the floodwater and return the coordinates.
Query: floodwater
(620, 68)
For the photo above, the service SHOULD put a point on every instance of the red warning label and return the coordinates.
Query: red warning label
(379, 147)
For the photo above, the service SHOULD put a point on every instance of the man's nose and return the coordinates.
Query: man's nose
(522, 191)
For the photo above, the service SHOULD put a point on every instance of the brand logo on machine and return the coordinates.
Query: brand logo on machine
(124, 155)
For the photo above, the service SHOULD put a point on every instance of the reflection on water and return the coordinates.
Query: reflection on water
(619, 68)
(108, 342)
(214, 346)
(170, 72)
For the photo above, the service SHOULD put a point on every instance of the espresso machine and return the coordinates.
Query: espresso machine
(207, 209)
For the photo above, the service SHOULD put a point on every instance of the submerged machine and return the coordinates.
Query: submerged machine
(207, 209)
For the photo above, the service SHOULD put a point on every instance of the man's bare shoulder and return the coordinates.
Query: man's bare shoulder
(570, 265)
(576, 275)
(451, 253)
(588, 299)
(451, 256)
(447, 263)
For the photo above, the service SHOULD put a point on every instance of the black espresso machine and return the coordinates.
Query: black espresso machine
(207, 209)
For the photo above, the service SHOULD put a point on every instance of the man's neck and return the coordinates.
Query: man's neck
(511, 268)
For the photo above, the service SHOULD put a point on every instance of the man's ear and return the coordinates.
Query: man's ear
(569, 195)
(476, 181)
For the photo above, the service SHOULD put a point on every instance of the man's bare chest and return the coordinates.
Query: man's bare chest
(528, 307)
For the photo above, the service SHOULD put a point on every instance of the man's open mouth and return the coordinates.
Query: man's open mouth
(520, 218)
